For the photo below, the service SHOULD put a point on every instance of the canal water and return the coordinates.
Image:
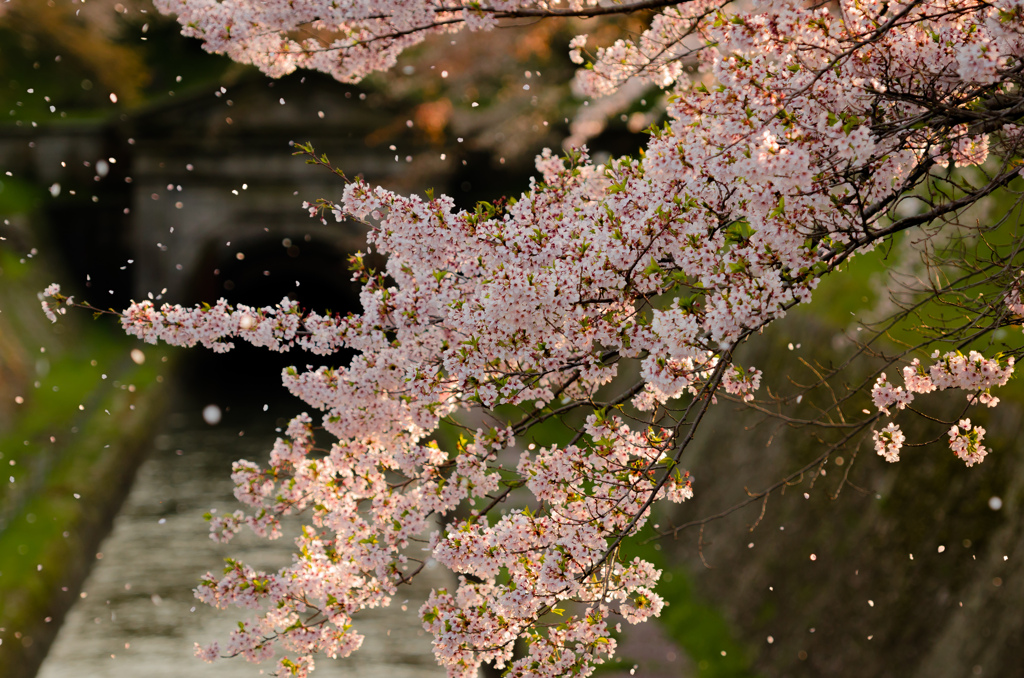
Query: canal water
(137, 617)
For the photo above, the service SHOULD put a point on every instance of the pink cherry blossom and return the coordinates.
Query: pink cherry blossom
(889, 441)
(793, 133)
(966, 443)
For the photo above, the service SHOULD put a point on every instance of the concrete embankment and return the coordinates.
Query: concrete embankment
(76, 415)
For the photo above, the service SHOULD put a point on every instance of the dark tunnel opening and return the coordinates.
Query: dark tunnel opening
(302, 268)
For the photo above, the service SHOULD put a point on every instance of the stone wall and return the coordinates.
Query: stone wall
(860, 567)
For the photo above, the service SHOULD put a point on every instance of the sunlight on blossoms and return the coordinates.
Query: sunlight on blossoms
(524, 383)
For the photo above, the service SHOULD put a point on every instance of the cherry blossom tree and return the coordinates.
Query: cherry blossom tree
(611, 297)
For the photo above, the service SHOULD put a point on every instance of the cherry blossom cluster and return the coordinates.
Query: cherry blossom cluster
(973, 373)
(742, 383)
(53, 292)
(1012, 299)
(889, 441)
(364, 519)
(885, 395)
(348, 40)
(793, 130)
(966, 444)
(272, 327)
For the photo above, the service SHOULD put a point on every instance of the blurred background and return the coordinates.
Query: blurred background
(134, 165)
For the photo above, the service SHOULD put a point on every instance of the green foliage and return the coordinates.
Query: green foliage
(56, 477)
(61, 65)
(17, 197)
